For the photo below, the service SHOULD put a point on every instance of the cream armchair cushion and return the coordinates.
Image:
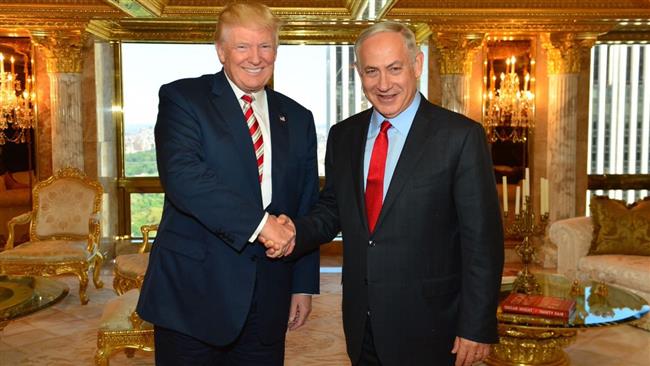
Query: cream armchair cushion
(129, 269)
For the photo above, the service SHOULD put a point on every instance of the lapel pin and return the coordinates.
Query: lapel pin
(283, 118)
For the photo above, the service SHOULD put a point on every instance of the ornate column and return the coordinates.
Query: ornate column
(565, 52)
(457, 52)
(64, 61)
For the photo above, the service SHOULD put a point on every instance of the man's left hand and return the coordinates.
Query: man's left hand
(469, 352)
(299, 311)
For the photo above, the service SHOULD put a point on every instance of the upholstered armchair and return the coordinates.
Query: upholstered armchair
(63, 232)
(129, 269)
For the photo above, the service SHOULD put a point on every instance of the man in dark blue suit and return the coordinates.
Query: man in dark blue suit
(231, 154)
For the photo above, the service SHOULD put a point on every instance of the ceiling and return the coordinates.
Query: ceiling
(325, 21)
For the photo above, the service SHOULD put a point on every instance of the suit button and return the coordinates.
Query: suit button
(371, 243)
(253, 258)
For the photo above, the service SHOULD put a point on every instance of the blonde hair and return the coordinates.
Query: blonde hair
(247, 14)
(395, 27)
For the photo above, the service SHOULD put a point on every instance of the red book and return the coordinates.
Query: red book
(554, 307)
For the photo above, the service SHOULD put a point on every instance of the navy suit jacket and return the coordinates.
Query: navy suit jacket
(431, 270)
(202, 269)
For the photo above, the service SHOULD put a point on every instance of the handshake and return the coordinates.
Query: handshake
(278, 236)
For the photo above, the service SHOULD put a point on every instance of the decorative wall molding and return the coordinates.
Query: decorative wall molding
(566, 50)
(457, 51)
(62, 49)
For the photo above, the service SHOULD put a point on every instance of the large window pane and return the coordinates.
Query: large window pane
(619, 118)
(145, 67)
(324, 80)
(146, 208)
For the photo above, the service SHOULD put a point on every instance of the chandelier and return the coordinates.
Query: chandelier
(16, 102)
(508, 114)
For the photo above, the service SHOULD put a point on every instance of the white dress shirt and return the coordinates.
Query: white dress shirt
(261, 111)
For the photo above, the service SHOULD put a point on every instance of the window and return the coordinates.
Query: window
(320, 77)
(619, 115)
(145, 67)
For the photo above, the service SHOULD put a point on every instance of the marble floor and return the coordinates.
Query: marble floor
(65, 334)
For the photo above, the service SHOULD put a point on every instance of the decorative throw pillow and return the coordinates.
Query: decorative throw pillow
(619, 228)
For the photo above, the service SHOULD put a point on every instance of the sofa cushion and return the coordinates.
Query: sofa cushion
(631, 271)
(620, 229)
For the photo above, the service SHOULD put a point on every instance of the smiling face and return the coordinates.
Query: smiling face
(388, 73)
(247, 55)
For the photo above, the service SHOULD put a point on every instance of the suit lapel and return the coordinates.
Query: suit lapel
(278, 121)
(421, 130)
(229, 111)
(356, 160)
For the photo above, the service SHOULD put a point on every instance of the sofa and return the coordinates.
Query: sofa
(573, 238)
(15, 199)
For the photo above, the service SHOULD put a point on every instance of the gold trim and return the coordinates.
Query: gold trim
(139, 8)
(110, 341)
(566, 50)
(355, 7)
(457, 51)
(63, 49)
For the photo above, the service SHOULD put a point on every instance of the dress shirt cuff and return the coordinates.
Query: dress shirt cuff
(257, 231)
(303, 293)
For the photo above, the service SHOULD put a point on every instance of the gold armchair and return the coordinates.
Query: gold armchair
(129, 269)
(63, 233)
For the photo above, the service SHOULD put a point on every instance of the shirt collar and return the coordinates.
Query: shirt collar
(402, 122)
(259, 96)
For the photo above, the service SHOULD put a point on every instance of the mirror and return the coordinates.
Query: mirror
(509, 104)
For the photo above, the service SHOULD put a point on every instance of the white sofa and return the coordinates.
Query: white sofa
(573, 239)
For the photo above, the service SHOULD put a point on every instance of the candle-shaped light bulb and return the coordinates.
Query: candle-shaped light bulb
(517, 200)
(526, 80)
(13, 70)
(504, 184)
(2, 64)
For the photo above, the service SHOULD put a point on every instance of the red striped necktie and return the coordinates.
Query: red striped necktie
(256, 133)
(375, 181)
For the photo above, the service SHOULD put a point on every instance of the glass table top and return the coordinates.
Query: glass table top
(22, 295)
(597, 304)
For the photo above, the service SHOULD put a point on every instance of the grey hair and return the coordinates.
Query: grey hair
(395, 27)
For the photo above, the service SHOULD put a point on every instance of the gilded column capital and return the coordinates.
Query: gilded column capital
(457, 51)
(565, 50)
(63, 50)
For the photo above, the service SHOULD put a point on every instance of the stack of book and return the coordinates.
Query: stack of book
(539, 305)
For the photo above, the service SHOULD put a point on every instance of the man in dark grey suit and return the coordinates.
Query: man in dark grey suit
(411, 187)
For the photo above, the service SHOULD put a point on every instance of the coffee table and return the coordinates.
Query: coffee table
(531, 340)
(23, 295)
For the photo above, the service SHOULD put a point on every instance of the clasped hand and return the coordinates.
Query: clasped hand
(278, 236)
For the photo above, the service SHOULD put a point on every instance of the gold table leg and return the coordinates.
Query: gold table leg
(522, 346)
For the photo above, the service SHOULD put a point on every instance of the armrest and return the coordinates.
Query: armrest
(145, 229)
(93, 233)
(573, 239)
(18, 220)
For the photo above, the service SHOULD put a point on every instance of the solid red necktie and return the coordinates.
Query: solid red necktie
(375, 181)
(256, 133)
